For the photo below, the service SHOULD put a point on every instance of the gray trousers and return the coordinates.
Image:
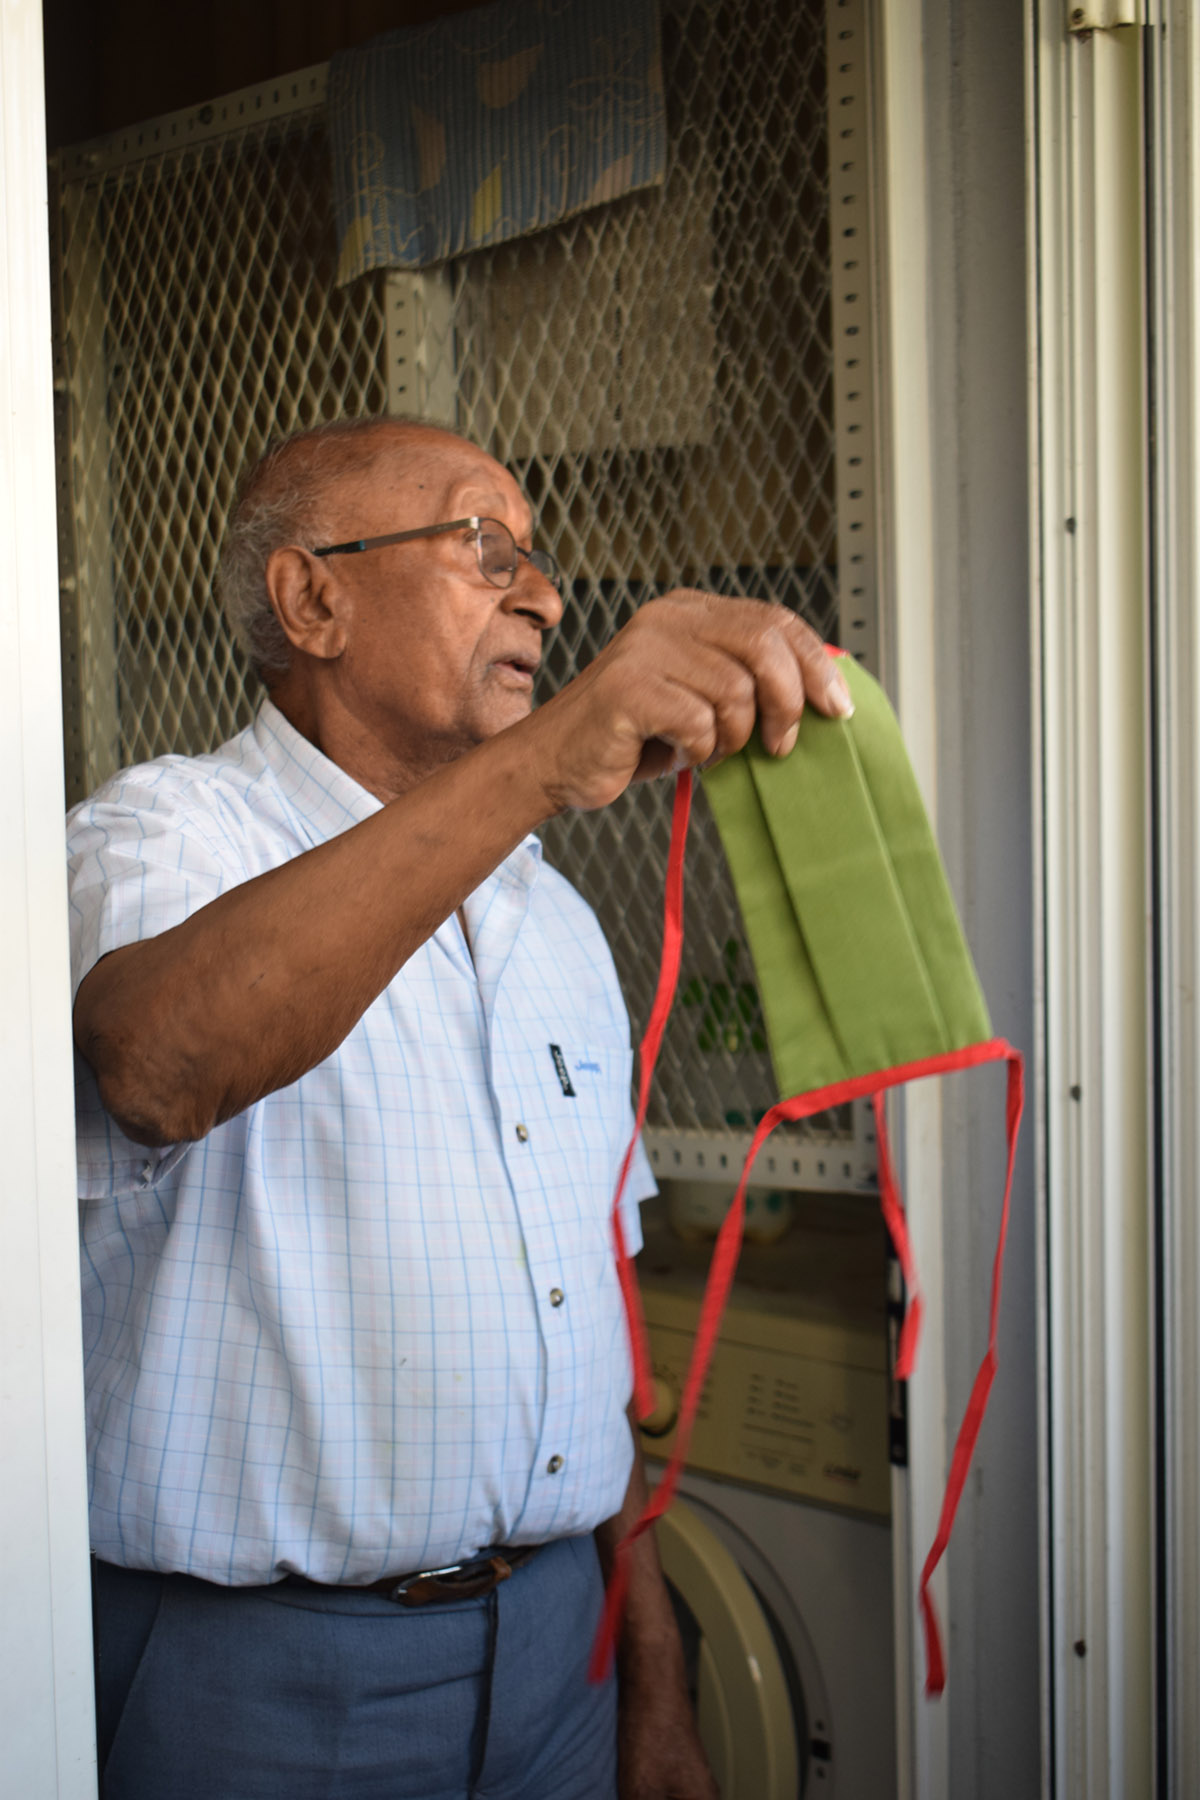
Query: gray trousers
(294, 1693)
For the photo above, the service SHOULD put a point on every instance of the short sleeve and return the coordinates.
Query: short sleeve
(136, 865)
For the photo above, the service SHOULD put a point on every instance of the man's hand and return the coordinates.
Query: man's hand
(681, 685)
(660, 1756)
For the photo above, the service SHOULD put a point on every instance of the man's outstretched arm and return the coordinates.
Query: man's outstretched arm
(188, 1028)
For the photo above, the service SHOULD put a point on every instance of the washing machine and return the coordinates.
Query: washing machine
(778, 1550)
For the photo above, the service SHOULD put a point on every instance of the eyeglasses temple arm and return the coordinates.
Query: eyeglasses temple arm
(394, 537)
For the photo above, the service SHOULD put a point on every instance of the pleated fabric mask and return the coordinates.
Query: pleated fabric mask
(866, 983)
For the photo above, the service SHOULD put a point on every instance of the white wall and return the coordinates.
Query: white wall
(46, 1738)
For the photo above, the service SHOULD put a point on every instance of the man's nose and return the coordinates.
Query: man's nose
(535, 596)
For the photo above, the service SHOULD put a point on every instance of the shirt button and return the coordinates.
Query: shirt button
(522, 1134)
(556, 1296)
(554, 1465)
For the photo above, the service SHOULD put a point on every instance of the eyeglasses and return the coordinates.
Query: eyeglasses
(496, 549)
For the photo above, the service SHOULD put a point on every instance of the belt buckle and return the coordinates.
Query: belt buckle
(424, 1586)
(403, 1589)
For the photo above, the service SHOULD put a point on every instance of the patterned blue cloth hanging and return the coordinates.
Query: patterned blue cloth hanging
(491, 124)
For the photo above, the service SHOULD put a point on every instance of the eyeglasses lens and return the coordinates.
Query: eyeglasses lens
(498, 553)
(545, 565)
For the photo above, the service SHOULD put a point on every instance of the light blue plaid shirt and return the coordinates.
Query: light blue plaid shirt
(372, 1324)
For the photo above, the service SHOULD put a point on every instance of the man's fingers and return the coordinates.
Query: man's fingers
(719, 700)
(780, 684)
(784, 657)
(680, 686)
(691, 724)
(789, 665)
(659, 758)
(823, 682)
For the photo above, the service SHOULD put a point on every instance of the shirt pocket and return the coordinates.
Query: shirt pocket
(593, 1089)
(597, 1123)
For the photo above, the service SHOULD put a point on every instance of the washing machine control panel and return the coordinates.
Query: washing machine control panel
(796, 1398)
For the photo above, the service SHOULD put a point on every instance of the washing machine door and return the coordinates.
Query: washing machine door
(745, 1705)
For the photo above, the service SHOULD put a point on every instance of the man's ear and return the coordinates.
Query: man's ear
(308, 600)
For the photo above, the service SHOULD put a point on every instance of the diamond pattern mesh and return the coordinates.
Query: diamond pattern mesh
(658, 374)
(197, 292)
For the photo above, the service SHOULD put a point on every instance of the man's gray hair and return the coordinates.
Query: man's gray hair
(283, 499)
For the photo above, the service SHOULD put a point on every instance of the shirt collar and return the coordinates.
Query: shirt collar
(326, 801)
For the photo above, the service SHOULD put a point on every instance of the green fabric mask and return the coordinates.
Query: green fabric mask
(862, 964)
(866, 982)
(863, 970)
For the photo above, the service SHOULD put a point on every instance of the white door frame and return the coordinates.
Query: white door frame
(1092, 1067)
(1089, 468)
(46, 1709)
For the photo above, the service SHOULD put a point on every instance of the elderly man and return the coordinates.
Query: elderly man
(353, 1088)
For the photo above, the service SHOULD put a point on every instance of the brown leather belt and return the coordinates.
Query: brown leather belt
(457, 1581)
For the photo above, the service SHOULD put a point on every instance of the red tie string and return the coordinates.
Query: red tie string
(728, 1248)
(968, 1431)
(894, 1218)
(668, 977)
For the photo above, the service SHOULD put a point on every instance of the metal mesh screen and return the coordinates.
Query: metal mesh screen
(197, 318)
(658, 373)
(696, 449)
